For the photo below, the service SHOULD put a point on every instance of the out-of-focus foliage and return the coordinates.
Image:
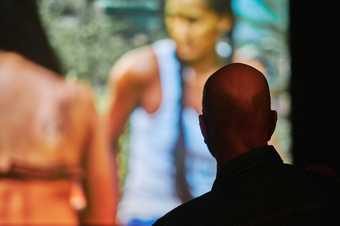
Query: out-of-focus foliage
(84, 39)
(88, 40)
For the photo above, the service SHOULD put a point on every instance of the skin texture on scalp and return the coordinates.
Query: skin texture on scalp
(236, 110)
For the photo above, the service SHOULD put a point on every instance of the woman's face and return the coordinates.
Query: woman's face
(194, 27)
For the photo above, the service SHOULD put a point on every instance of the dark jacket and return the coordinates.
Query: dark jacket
(259, 189)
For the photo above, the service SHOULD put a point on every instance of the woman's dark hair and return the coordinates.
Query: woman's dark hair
(22, 32)
(221, 7)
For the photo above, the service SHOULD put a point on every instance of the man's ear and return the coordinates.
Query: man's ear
(272, 124)
(203, 127)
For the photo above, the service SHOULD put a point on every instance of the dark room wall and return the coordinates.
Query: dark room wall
(314, 82)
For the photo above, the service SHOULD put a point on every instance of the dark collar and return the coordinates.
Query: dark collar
(246, 162)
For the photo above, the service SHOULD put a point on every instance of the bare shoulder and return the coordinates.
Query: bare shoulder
(137, 66)
(15, 65)
(9, 57)
(10, 61)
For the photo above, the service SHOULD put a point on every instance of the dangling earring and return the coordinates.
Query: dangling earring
(223, 47)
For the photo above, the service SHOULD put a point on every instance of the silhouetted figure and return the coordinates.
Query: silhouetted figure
(253, 186)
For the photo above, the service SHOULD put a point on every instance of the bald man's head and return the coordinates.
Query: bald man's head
(236, 109)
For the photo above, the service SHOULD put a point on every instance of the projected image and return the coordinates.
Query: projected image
(148, 61)
(261, 33)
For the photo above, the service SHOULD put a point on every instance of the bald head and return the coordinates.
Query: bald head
(236, 109)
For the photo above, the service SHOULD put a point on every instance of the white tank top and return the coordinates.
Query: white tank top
(149, 190)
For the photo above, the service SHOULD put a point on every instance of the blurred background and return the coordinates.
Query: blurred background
(294, 39)
(90, 35)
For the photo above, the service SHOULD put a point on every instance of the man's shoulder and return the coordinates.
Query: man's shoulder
(186, 212)
(303, 176)
(309, 187)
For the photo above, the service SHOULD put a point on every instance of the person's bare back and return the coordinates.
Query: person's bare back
(47, 126)
(47, 114)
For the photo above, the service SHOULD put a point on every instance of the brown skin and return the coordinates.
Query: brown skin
(134, 79)
(67, 132)
(236, 112)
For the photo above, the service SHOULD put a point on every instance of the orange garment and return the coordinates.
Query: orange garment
(36, 203)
